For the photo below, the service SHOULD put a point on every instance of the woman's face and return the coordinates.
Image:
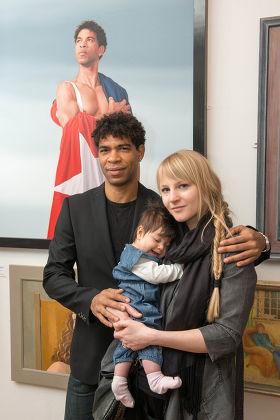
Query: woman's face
(181, 200)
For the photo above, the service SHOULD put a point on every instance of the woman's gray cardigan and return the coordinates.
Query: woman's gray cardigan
(222, 389)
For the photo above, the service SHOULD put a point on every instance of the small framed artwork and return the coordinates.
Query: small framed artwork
(268, 174)
(261, 341)
(41, 331)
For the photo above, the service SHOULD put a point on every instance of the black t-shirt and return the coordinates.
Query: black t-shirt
(120, 218)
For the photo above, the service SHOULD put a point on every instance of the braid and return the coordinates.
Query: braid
(219, 220)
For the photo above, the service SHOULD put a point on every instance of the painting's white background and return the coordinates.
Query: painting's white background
(232, 129)
(149, 53)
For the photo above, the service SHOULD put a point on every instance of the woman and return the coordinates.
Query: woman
(202, 341)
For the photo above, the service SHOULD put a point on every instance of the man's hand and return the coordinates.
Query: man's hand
(121, 315)
(118, 106)
(249, 243)
(114, 299)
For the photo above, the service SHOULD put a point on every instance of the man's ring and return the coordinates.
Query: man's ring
(124, 346)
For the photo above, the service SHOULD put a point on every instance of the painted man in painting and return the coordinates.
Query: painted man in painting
(99, 94)
(78, 104)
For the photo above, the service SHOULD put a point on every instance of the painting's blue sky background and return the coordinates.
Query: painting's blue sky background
(149, 52)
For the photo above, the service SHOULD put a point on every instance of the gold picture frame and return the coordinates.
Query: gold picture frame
(261, 341)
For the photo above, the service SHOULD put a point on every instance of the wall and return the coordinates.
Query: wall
(233, 62)
(233, 51)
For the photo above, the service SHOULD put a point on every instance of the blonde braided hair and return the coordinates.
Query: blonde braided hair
(191, 166)
(217, 261)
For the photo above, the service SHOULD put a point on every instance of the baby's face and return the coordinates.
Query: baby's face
(152, 242)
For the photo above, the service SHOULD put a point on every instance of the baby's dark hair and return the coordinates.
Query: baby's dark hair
(156, 216)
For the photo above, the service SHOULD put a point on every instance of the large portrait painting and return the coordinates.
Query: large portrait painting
(261, 341)
(155, 53)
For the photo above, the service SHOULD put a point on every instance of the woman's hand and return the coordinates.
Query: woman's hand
(133, 334)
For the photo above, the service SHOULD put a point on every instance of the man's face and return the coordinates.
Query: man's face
(119, 159)
(87, 50)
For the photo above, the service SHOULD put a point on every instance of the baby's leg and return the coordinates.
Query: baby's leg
(122, 369)
(156, 379)
(119, 384)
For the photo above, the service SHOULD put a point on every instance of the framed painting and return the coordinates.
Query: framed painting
(268, 173)
(261, 341)
(156, 50)
(41, 331)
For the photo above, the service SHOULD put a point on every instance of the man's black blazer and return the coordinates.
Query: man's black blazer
(82, 236)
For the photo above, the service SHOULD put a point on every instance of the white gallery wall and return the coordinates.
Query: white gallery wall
(23, 401)
(233, 54)
(233, 69)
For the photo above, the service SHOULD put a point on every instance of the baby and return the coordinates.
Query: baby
(139, 272)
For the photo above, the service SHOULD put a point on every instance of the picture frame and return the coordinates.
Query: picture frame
(261, 341)
(268, 158)
(26, 343)
(30, 240)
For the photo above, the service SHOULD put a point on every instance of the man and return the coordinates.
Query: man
(77, 106)
(92, 230)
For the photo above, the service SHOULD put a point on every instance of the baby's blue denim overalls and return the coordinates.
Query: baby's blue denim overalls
(144, 297)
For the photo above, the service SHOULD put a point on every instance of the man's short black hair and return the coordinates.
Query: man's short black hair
(119, 125)
(93, 27)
